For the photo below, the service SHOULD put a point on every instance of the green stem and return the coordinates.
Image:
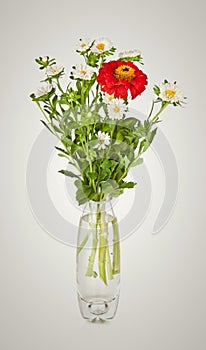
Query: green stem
(90, 268)
(151, 110)
(41, 109)
(108, 258)
(48, 121)
(82, 93)
(92, 181)
(109, 265)
(154, 119)
(81, 246)
(103, 243)
(111, 138)
(59, 86)
(55, 111)
(116, 247)
(102, 259)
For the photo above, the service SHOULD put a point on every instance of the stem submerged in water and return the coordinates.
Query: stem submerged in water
(99, 228)
(90, 268)
(103, 243)
(116, 248)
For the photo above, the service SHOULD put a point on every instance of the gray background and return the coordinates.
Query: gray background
(162, 305)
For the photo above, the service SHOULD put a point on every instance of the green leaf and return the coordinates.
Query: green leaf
(62, 155)
(82, 163)
(57, 129)
(115, 156)
(92, 175)
(146, 145)
(105, 174)
(136, 162)
(61, 150)
(54, 100)
(129, 184)
(67, 141)
(151, 135)
(117, 192)
(72, 125)
(109, 186)
(83, 192)
(156, 90)
(68, 173)
(45, 124)
(128, 122)
(78, 86)
(108, 166)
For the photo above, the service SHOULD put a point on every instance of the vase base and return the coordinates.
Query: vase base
(98, 310)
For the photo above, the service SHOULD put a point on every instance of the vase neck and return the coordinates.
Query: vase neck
(98, 207)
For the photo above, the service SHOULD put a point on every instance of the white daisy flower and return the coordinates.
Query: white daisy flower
(83, 71)
(83, 44)
(44, 89)
(54, 70)
(116, 109)
(103, 139)
(130, 53)
(101, 45)
(170, 92)
(107, 98)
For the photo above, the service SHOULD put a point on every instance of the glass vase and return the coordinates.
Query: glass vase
(98, 261)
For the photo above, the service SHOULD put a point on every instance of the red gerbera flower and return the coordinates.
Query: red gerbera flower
(117, 77)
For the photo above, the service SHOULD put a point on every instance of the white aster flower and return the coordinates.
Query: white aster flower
(170, 92)
(130, 53)
(83, 71)
(44, 89)
(116, 109)
(101, 45)
(103, 139)
(83, 44)
(54, 70)
(107, 98)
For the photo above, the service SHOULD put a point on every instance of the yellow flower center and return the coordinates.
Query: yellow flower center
(111, 98)
(100, 46)
(82, 72)
(83, 45)
(116, 109)
(124, 72)
(170, 93)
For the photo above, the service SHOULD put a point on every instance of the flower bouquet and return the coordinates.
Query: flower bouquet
(89, 117)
